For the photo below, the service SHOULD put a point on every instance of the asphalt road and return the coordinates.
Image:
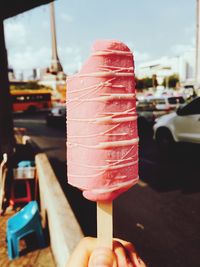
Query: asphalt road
(160, 215)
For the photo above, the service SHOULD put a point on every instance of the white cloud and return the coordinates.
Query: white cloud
(29, 58)
(23, 57)
(20, 55)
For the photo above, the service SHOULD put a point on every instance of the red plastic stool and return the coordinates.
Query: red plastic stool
(22, 175)
(27, 198)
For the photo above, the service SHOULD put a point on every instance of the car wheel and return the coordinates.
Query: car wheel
(164, 139)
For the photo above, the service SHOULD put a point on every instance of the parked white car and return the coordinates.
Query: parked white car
(180, 126)
(167, 102)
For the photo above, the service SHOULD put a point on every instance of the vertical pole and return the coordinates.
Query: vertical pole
(55, 64)
(53, 32)
(197, 57)
(6, 121)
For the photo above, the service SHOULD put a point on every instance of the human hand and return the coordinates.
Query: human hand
(87, 254)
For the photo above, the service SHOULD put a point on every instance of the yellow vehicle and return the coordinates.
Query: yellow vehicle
(31, 100)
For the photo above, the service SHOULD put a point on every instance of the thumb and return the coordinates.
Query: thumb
(102, 257)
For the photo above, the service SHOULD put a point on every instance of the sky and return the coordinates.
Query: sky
(151, 28)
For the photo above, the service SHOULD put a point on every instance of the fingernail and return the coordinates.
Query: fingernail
(101, 257)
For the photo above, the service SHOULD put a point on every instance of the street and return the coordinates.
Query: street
(160, 215)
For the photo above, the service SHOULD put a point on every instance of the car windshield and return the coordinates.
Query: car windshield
(176, 100)
(191, 108)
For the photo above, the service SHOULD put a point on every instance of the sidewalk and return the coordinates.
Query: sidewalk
(64, 232)
(32, 258)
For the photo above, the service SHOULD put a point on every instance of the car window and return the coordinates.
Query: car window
(176, 100)
(192, 108)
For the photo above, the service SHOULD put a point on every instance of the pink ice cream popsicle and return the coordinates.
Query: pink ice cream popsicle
(102, 137)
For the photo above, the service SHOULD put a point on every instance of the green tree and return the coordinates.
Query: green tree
(154, 81)
(171, 81)
(148, 82)
(139, 84)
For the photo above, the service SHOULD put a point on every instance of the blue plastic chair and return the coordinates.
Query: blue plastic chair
(26, 163)
(24, 222)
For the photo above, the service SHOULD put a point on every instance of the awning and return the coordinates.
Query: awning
(10, 8)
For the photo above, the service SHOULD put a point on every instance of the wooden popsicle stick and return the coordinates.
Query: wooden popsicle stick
(104, 224)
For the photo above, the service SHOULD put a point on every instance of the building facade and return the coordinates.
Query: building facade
(183, 66)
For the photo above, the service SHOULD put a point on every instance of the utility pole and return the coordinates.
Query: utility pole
(55, 62)
(197, 57)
